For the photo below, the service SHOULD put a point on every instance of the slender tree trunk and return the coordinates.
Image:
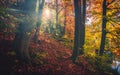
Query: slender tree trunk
(84, 18)
(57, 26)
(37, 32)
(104, 21)
(56, 12)
(77, 26)
(65, 15)
(82, 26)
(38, 23)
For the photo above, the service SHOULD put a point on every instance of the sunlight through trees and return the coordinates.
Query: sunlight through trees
(60, 37)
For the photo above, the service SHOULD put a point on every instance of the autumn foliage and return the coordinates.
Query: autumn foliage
(54, 25)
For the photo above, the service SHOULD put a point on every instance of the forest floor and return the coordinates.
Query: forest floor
(49, 57)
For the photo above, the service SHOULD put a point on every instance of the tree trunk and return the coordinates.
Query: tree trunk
(77, 26)
(80, 13)
(21, 41)
(57, 26)
(24, 31)
(56, 12)
(82, 26)
(104, 21)
(37, 32)
(65, 15)
(38, 23)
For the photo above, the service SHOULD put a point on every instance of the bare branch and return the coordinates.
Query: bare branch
(111, 23)
(117, 8)
(114, 34)
(60, 10)
(114, 21)
(110, 2)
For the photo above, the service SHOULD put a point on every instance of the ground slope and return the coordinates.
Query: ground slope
(49, 57)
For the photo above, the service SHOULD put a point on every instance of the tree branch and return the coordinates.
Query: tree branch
(113, 8)
(61, 9)
(111, 23)
(114, 21)
(114, 34)
(110, 2)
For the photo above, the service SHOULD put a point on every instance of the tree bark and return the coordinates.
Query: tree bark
(22, 40)
(56, 13)
(80, 13)
(65, 15)
(104, 21)
(77, 26)
(38, 23)
(24, 31)
(82, 26)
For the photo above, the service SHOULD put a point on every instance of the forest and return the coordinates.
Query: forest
(59, 37)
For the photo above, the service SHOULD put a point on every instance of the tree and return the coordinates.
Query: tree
(24, 30)
(65, 15)
(56, 12)
(82, 27)
(104, 22)
(68, 27)
(39, 9)
(76, 38)
(58, 7)
(79, 38)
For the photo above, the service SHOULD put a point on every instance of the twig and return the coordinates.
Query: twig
(110, 2)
